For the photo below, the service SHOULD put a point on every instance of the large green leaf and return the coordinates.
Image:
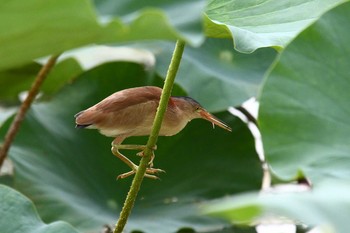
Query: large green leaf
(304, 112)
(19, 215)
(327, 206)
(215, 68)
(40, 28)
(158, 19)
(70, 174)
(305, 123)
(265, 23)
(37, 28)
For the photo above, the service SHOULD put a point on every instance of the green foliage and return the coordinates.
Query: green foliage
(69, 174)
(20, 79)
(264, 23)
(327, 206)
(36, 28)
(19, 215)
(215, 66)
(304, 118)
(154, 19)
(76, 170)
(304, 104)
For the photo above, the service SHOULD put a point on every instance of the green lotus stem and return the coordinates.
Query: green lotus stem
(152, 140)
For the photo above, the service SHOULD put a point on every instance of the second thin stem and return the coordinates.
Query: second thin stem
(16, 123)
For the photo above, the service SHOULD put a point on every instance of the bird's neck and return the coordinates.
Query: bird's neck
(182, 104)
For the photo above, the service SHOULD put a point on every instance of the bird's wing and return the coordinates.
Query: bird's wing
(115, 106)
(129, 97)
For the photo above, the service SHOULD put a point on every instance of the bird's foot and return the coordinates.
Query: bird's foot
(141, 154)
(150, 173)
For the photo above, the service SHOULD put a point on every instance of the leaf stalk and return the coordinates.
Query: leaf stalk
(152, 140)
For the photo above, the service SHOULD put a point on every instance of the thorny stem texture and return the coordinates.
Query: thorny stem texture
(16, 123)
(152, 140)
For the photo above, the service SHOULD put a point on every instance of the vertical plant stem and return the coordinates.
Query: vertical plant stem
(16, 123)
(152, 140)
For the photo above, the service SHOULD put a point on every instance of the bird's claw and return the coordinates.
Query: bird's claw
(141, 153)
(150, 173)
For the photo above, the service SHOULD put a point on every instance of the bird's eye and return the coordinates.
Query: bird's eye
(198, 109)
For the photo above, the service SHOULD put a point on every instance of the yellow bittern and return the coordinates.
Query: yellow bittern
(131, 112)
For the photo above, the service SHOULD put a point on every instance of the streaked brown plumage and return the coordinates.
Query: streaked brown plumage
(131, 112)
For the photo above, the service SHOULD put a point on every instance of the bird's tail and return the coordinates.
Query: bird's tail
(80, 126)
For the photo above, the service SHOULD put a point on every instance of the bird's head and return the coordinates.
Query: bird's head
(194, 110)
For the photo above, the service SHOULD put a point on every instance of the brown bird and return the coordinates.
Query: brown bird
(131, 112)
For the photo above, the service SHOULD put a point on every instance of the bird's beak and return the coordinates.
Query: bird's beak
(209, 117)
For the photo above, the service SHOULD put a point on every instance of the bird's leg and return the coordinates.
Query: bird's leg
(150, 172)
(138, 147)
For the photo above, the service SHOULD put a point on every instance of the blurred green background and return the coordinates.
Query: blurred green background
(291, 55)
